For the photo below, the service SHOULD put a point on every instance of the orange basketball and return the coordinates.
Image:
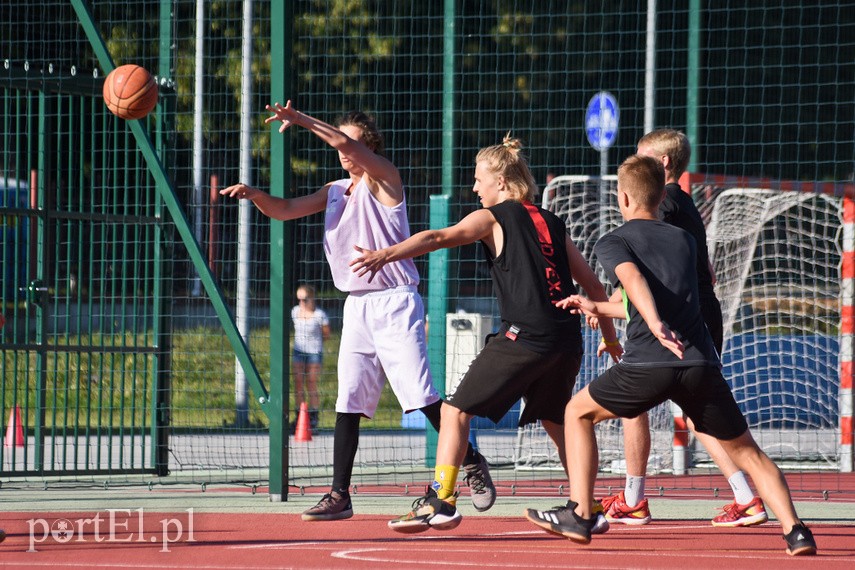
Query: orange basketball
(130, 92)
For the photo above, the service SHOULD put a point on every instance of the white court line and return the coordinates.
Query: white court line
(359, 555)
(642, 559)
(453, 537)
(391, 554)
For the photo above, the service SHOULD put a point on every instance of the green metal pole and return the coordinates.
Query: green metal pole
(34, 294)
(162, 339)
(280, 259)
(693, 81)
(438, 261)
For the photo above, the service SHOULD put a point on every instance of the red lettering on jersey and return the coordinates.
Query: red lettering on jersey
(553, 280)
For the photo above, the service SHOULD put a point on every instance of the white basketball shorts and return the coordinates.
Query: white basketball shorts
(383, 336)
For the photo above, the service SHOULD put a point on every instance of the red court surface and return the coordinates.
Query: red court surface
(265, 540)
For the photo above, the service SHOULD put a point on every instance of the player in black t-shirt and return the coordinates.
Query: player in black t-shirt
(671, 147)
(669, 355)
(537, 352)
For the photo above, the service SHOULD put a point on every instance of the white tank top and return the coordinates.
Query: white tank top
(359, 219)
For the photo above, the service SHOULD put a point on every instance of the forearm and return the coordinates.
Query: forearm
(609, 310)
(273, 207)
(414, 246)
(639, 294)
(607, 328)
(597, 293)
(326, 132)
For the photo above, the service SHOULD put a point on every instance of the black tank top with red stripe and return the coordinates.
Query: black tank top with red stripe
(529, 275)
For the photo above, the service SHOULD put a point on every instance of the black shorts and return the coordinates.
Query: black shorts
(505, 371)
(711, 312)
(700, 391)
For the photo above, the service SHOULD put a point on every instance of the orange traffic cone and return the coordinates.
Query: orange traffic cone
(14, 429)
(304, 428)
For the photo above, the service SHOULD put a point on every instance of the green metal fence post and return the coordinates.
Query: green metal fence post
(439, 213)
(280, 260)
(161, 335)
(693, 79)
(33, 293)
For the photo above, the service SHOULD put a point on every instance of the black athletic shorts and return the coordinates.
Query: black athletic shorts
(505, 371)
(700, 391)
(711, 312)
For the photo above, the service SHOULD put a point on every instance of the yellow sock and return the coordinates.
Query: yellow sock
(444, 480)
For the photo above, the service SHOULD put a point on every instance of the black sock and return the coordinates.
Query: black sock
(432, 413)
(345, 442)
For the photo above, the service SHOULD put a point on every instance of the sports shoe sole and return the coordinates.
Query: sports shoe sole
(802, 551)
(552, 529)
(630, 521)
(328, 517)
(753, 520)
(482, 507)
(413, 527)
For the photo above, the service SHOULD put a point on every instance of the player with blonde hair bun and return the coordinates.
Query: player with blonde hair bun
(537, 352)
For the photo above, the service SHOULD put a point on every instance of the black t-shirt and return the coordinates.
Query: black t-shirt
(665, 256)
(527, 284)
(678, 209)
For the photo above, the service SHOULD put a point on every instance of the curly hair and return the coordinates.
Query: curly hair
(370, 135)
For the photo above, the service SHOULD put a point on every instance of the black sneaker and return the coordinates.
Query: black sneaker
(800, 541)
(563, 521)
(481, 488)
(429, 512)
(332, 507)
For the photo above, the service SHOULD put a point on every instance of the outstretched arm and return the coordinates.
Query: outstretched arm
(579, 304)
(639, 294)
(477, 225)
(279, 208)
(378, 168)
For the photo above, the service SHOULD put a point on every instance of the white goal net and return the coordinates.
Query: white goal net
(588, 205)
(777, 257)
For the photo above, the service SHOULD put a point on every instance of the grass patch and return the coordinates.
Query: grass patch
(113, 390)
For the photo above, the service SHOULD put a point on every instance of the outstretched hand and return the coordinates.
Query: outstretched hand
(370, 261)
(240, 191)
(577, 305)
(668, 339)
(286, 114)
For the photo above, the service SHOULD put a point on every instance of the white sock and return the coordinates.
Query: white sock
(633, 492)
(742, 492)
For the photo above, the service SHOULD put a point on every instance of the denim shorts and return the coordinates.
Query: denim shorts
(307, 357)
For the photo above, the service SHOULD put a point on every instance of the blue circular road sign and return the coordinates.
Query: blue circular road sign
(601, 120)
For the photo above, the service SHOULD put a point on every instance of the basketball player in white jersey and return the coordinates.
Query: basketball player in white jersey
(383, 333)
